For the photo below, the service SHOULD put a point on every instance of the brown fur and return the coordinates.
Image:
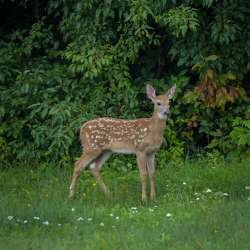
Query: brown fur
(142, 137)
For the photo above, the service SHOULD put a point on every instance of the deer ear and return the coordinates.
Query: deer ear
(170, 93)
(150, 92)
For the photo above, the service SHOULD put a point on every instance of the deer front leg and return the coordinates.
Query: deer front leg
(151, 171)
(141, 162)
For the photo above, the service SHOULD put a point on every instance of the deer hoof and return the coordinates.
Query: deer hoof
(152, 196)
(144, 199)
(71, 195)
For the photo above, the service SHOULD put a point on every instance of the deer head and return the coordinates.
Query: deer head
(161, 102)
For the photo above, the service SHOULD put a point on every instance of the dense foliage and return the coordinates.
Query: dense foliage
(65, 62)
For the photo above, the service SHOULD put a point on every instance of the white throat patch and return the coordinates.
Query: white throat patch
(162, 116)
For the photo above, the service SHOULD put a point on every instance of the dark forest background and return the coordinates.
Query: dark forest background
(65, 62)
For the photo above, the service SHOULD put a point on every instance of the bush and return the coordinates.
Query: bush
(73, 62)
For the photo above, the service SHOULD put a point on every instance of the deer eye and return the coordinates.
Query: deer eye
(158, 103)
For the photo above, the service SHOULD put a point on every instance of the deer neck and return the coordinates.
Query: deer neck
(158, 124)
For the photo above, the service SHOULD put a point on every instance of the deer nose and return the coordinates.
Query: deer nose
(167, 112)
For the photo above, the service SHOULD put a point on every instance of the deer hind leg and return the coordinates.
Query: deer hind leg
(151, 172)
(141, 162)
(95, 169)
(80, 165)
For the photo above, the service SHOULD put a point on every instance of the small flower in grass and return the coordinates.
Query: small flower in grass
(46, 223)
(155, 206)
(196, 194)
(80, 219)
(184, 183)
(73, 209)
(151, 210)
(25, 221)
(247, 187)
(102, 224)
(10, 217)
(168, 215)
(248, 198)
(134, 208)
(208, 190)
(134, 211)
(89, 219)
(36, 218)
(117, 218)
(197, 198)
(225, 194)
(59, 225)
(111, 215)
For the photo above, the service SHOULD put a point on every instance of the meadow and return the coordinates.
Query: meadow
(199, 206)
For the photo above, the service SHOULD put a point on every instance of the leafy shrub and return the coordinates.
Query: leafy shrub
(76, 61)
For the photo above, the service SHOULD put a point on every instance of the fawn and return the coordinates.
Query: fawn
(142, 137)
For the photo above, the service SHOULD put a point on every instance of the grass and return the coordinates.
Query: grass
(197, 207)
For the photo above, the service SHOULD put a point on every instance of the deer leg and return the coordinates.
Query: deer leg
(151, 172)
(80, 165)
(95, 169)
(141, 162)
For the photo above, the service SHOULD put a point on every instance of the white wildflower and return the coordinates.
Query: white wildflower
(134, 208)
(59, 225)
(46, 223)
(196, 194)
(73, 209)
(247, 187)
(168, 215)
(89, 219)
(80, 219)
(102, 224)
(117, 217)
(134, 211)
(225, 194)
(197, 198)
(10, 217)
(151, 210)
(111, 215)
(248, 198)
(36, 218)
(208, 190)
(25, 221)
(184, 183)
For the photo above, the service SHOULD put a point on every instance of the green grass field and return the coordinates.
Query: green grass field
(197, 207)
